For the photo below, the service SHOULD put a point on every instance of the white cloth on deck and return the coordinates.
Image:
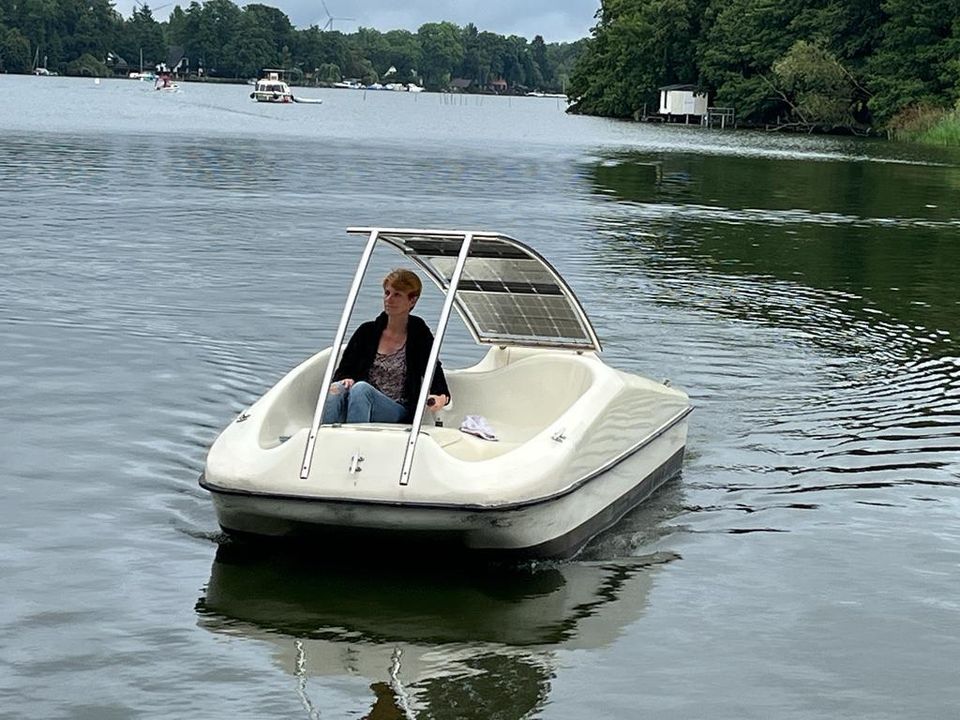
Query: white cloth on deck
(478, 425)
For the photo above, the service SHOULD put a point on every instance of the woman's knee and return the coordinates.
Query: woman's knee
(362, 391)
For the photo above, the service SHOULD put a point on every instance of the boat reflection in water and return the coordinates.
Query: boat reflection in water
(453, 641)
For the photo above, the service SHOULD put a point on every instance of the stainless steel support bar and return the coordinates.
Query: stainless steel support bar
(421, 407)
(335, 354)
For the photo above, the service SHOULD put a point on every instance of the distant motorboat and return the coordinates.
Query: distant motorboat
(273, 89)
(414, 88)
(348, 85)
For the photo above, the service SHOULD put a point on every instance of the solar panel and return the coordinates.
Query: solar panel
(507, 293)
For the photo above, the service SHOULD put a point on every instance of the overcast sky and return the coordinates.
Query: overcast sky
(555, 20)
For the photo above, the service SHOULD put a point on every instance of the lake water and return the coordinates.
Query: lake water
(165, 258)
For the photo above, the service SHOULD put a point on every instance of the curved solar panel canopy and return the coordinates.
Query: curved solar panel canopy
(507, 293)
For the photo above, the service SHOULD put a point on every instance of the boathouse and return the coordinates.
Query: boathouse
(679, 103)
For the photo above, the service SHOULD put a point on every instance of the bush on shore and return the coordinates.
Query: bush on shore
(927, 124)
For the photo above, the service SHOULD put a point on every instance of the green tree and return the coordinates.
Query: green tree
(249, 50)
(637, 46)
(470, 65)
(916, 61)
(177, 28)
(403, 52)
(207, 30)
(14, 52)
(442, 52)
(563, 58)
(87, 65)
(371, 44)
(517, 63)
(538, 51)
(313, 47)
(849, 29)
(493, 51)
(360, 67)
(739, 50)
(816, 87)
(94, 29)
(274, 25)
(142, 33)
(328, 73)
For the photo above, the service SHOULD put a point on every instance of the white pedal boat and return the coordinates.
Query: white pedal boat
(580, 443)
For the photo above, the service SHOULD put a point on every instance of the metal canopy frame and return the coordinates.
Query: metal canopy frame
(506, 293)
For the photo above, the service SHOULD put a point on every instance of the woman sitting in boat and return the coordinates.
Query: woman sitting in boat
(382, 369)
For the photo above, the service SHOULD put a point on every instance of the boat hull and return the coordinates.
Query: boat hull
(553, 526)
(271, 97)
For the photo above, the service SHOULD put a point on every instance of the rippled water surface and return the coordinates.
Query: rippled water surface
(166, 258)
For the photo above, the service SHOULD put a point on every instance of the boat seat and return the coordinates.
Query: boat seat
(519, 400)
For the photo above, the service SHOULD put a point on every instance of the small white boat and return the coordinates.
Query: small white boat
(579, 442)
(164, 83)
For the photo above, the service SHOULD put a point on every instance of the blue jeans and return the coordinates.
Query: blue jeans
(362, 403)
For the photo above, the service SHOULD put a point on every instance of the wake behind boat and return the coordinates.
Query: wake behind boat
(579, 444)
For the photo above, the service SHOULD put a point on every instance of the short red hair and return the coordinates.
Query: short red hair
(404, 281)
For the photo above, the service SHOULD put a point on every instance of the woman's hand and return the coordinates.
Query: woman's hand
(346, 384)
(437, 402)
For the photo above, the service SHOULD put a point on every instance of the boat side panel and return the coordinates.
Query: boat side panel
(551, 528)
(450, 468)
(629, 414)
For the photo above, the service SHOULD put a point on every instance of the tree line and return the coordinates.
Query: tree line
(812, 64)
(221, 40)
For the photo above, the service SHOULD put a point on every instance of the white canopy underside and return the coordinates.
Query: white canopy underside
(507, 294)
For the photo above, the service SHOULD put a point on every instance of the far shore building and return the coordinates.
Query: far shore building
(680, 103)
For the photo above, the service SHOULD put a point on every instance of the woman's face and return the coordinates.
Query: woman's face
(397, 302)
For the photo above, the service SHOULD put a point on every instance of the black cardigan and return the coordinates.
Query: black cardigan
(362, 350)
